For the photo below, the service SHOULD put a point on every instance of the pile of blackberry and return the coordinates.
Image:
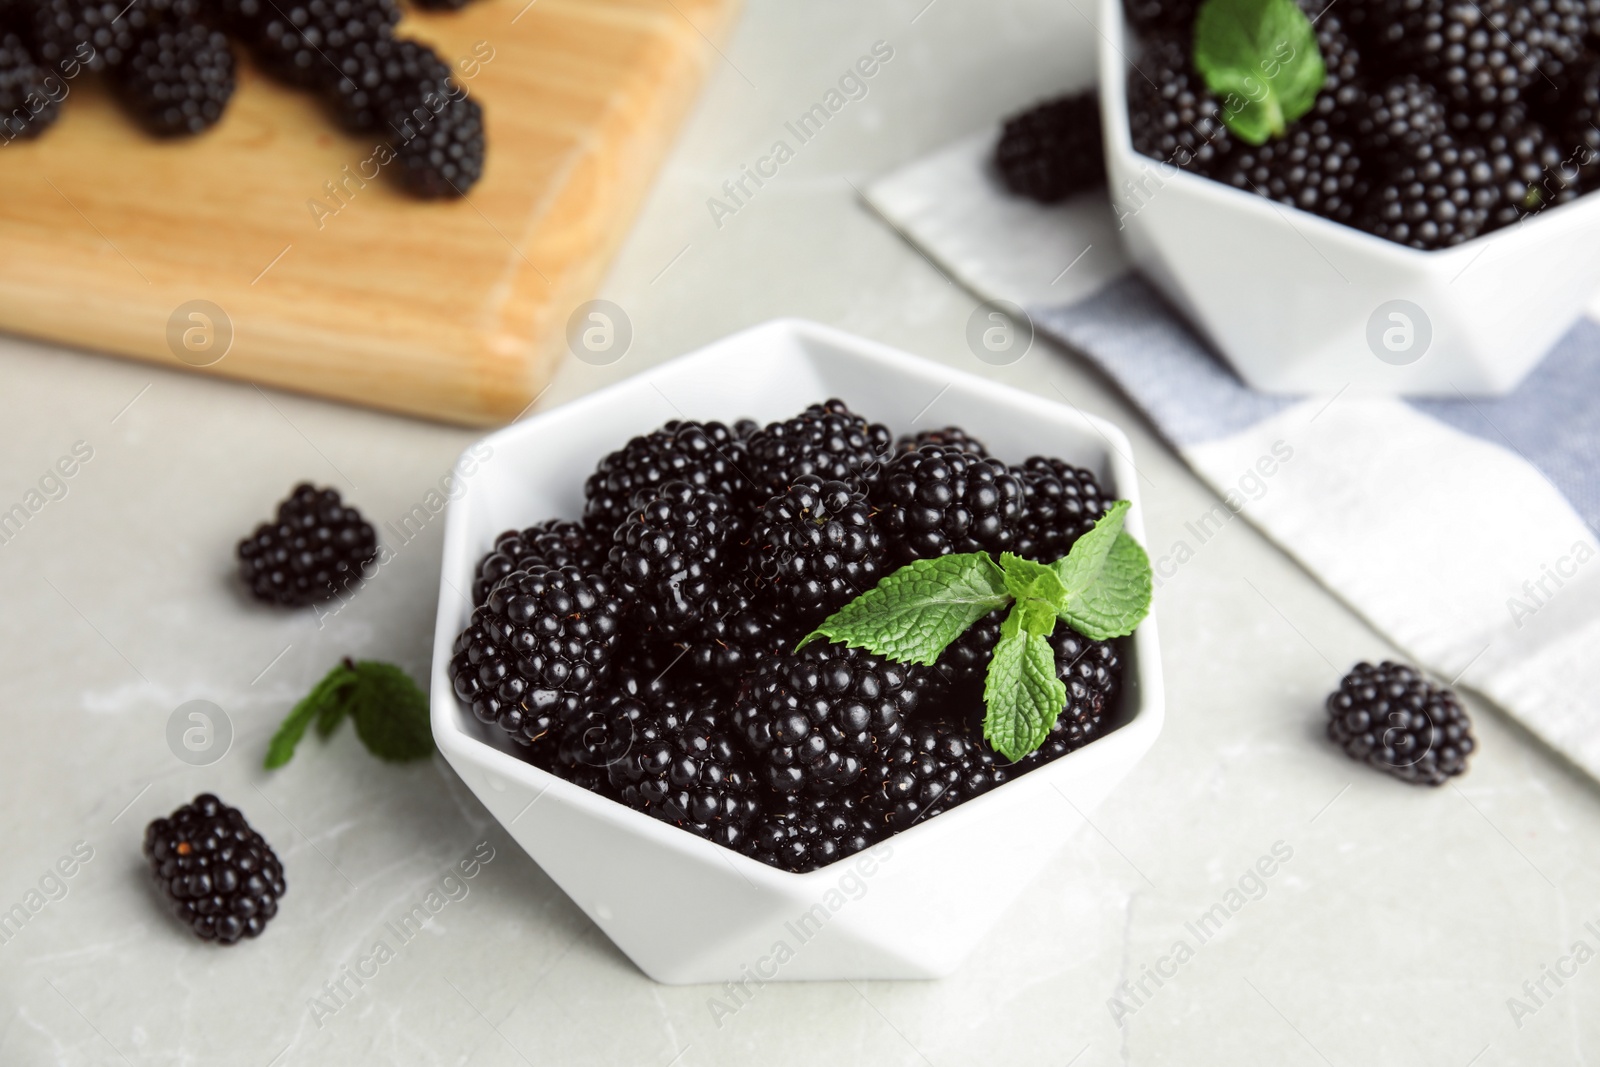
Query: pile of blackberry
(1439, 120)
(648, 651)
(171, 65)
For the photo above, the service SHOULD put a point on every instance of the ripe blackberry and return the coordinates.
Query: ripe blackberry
(965, 661)
(1314, 167)
(814, 717)
(737, 630)
(1481, 53)
(827, 440)
(28, 102)
(1390, 717)
(1438, 196)
(948, 435)
(220, 877)
(177, 78)
(816, 547)
(438, 141)
(372, 73)
(1402, 116)
(704, 454)
(1060, 503)
(108, 28)
(1172, 116)
(682, 766)
(1343, 91)
(929, 769)
(800, 834)
(552, 543)
(316, 548)
(535, 649)
(1092, 673)
(666, 558)
(299, 41)
(1053, 150)
(1175, 16)
(938, 500)
(1534, 171)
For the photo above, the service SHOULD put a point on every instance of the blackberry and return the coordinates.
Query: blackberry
(298, 41)
(1172, 116)
(369, 75)
(1482, 53)
(219, 876)
(1438, 196)
(737, 630)
(801, 834)
(317, 548)
(1342, 94)
(938, 500)
(827, 440)
(535, 649)
(1175, 16)
(667, 556)
(1060, 503)
(814, 717)
(109, 29)
(929, 769)
(1092, 673)
(29, 95)
(1053, 150)
(683, 767)
(1402, 116)
(1578, 122)
(1313, 167)
(438, 141)
(553, 543)
(965, 661)
(816, 546)
(704, 454)
(949, 435)
(177, 78)
(1533, 170)
(1390, 717)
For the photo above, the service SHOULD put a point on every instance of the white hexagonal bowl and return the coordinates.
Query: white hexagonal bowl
(1287, 296)
(686, 910)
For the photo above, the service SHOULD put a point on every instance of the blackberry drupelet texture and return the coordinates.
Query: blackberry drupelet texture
(220, 877)
(800, 834)
(1392, 718)
(298, 41)
(1314, 167)
(945, 435)
(27, 106)
(367, 77)
(817, 548)
(929, 769)
(1401, 116)
(1441, 195)
(964, 662)
(667, 557)
(317, 548)
(177, 78)
(1172, 116)
(827, 440)
(535, 649)
(1060, 503)
(1092, 673)
(683, 766)
(704, 454)
(1480, 53)
(439, 152)
(737, 630)
(1053, 149)
(552, 543)
(815, 717)
(939, 500)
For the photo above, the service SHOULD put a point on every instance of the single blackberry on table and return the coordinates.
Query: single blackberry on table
(800, 834)
(176, 78)
(1053, 150)
(1060, 503)
(317, 548)
(1313, 167)
(682, 765)
(948, 435)
(1171, 16)
(929, 769)
(827, 440)
(535, 649)
(704, 454)
(816, 547)
(1172, 116)
(666, 558)
(438, 142)
(219, 876)
(939, 500)
(815, 717)
(1392, 718)
(553, 543)
(27, 103)
(1438, 196)
(1402, 116)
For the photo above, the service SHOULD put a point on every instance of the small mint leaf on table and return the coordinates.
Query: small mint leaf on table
(1021, 694)
(910, 616)
(1261, 58)
(390, 712)
(326, 700)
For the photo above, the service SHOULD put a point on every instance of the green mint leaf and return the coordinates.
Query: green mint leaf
(1035, 616)
(1026, 579)
(391, 713)
(325, 701)
(1260, 58)
(1078, 568)
(912, 614)
(1119, 599)
(1021, 694)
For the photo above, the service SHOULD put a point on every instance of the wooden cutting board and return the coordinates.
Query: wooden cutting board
(450, 310)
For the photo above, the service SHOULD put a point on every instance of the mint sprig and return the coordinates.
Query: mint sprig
(1261, 58)
(1101, 588)
(390, 713)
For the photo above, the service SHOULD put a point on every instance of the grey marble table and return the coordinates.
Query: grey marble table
(1397, 927)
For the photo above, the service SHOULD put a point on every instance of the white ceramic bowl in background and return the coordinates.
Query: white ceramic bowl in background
(1287, 296)
(684, 909)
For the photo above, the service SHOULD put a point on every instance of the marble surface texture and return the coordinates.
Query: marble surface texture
(1395, 928)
